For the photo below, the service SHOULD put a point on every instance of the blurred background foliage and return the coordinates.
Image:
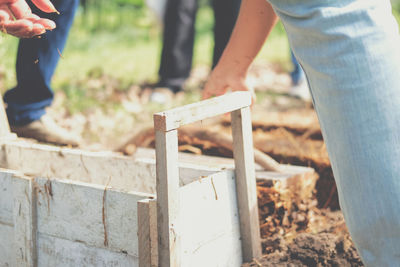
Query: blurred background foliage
(122, 39)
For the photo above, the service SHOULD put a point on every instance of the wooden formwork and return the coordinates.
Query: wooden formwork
(68, 207)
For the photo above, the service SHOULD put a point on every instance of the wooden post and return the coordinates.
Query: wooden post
(167, 198)
(4, 126)
(246, 183)
(147, 233)
(24, 222)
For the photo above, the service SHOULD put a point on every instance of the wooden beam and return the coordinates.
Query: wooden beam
(167, 198)
(25, 224)
(4, 126)
(174, 118)
(147, 233)
(246, 183)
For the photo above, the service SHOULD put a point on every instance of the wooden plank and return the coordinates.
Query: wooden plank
(211, 164)
(60, 252)
(7, 257)
(132, 174)
(6, 197)
(79, 165)
(210, 229)
(136, 173)
(168, 198)
(246, 183)
(148, 242)
(4, 126)
(174, 118)
(153, 233)
(24, 222)
(89, 214)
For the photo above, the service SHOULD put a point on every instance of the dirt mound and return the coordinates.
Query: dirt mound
(323, 249)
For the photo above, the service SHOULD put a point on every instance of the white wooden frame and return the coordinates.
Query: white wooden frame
(166, 126)
(40, 170)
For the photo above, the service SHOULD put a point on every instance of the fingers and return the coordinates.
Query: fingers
(20, 9)
(219, 85)
(26, 24)
(213, 89)
(45, 6)
(19, 28)
(5, 13)
(46, 23)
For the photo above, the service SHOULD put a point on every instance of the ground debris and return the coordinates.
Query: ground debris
(306, 249)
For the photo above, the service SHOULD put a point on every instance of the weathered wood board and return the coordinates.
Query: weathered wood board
(210, 226)
(136, 173)
(60, 252)
(177, 117)
(88, 215)
(7, 258)
(83, 166)
(6, 197)
(66, 223)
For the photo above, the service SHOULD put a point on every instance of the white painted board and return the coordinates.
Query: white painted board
(209, 226)
(59, 252)
(74, 211)
(6, 197)
(79, 165)
(7, 258)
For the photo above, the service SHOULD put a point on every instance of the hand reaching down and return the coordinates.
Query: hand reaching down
(224, 79)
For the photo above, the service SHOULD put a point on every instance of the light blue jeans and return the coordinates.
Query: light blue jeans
(350, 52)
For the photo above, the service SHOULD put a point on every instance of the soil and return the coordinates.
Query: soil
(323, 249)
(295, 232)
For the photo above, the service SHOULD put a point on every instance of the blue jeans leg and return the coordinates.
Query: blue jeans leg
(36, 62)
(297, 74)
(350, 52)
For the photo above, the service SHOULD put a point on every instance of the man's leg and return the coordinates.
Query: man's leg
(299, 87)
(178, 42)
(36, 62)
(349, 50)
(225, 13)
(297, 73)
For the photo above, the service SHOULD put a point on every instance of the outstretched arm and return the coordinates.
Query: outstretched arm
(256, 20)
(16, 18)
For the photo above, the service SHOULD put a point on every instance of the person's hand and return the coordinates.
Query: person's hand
(16, 18)
(223, 80)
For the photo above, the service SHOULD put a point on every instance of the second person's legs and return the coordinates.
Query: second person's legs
(225, 15)
(178, 42)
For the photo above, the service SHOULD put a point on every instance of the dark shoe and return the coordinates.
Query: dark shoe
(46, 130)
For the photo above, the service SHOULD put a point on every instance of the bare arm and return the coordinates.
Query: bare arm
(255, 22)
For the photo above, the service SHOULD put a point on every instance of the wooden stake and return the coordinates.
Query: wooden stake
(246, 183)
(147, 233)
(167, 198)
(4, 126)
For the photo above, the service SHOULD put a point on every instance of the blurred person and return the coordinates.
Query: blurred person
(178, 41)
(349, 51)
(16, 18)
(37, 60)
